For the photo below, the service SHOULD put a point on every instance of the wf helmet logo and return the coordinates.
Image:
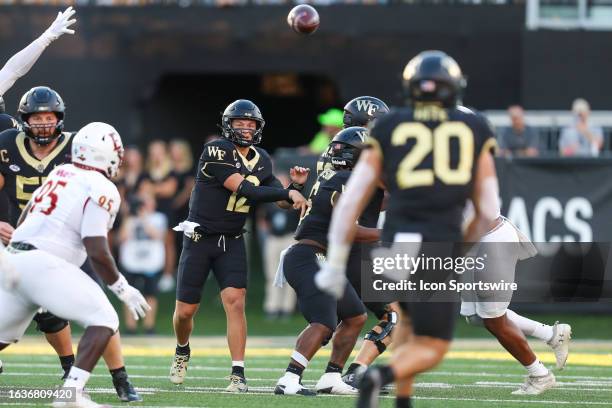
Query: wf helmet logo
(367, 106)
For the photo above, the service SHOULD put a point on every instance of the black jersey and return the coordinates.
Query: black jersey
(324, 162)
(429, 156)
(315, 223)
(215, 208)
(23, 173)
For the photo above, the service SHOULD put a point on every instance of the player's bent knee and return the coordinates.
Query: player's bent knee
(104, 317)
(49, 323)
(183, 312)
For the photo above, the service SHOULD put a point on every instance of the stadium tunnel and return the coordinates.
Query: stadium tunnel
(189, 106)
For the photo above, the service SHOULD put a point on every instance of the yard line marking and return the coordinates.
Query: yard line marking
(594, 359)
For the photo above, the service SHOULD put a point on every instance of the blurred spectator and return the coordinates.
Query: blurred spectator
(581, 139)
(331, 123)
(164, 187)
(279, 226)
(132, 178)
(518, 140)
(142, 254)
(182, 163)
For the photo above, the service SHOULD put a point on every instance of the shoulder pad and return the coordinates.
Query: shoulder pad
(464, 109)
(218, 151)
(104, 193)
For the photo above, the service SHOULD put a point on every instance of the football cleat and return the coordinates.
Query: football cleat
(536, 385)
(125, 390)
(237, 384)
(331, 383)
(562, 334)
(81, 400)
(290, 384)
(178, 370)
(370, 384)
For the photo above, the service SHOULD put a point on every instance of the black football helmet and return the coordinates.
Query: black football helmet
(2, 105)
(345, 147)
(362, 110)
(7, 122)
(242, 109)
(433, 76)
(41, 99)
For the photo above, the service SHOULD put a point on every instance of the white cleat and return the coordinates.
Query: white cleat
(289, 384)
(237, 384)
(81, 400)
(562, 334)
(178, 370)
(1, 367)
(536, 385)
(331, 383)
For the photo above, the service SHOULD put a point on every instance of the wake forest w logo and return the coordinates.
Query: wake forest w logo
(367, 106)
(215, 151)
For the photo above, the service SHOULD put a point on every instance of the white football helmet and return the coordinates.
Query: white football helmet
(98, 146)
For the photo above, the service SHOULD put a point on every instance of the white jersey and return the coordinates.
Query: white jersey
(72, 204)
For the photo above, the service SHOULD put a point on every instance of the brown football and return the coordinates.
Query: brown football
(303, 19)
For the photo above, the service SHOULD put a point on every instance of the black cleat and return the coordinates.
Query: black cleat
(125, 390)
(370, 385)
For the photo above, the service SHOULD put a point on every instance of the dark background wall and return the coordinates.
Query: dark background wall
(166, 72)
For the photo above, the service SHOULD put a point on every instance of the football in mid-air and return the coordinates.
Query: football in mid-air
(303, 19)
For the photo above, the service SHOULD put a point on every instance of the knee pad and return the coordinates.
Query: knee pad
(49, 323)
(386, 326)
(474, 320)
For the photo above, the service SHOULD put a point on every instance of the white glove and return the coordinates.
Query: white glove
(331, 279)
(131, 296)
(61, 24)
(10, 276)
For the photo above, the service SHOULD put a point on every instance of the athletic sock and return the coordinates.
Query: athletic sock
(536, 369)
(353, 367)
(403, 402)
(238, 368)
(183, 350)
(295, 369)
(530, 327)
(77, 378)
(118, 373)
(333, 368)
(386, 374)
(67, 362)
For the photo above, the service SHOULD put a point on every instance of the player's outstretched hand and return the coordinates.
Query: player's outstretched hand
(299, 202)
(6, 232)
(131, 297)
(299, 174)
(61, 24)
(331, 280)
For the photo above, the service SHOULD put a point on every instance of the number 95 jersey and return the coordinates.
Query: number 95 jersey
(429, 159)
(72, 204)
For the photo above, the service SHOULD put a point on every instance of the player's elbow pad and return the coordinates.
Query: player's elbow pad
(262, 193)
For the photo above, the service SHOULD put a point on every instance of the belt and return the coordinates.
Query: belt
(313, 243)
(22, 246)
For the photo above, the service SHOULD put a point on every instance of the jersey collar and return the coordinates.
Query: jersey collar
(39, 165)
(249, 164)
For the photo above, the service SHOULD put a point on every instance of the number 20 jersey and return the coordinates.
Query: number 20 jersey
(56, 217)
(429, 159)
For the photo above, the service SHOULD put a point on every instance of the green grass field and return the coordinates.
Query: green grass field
(476, 373)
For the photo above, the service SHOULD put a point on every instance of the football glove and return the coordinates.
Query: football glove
(61, 24)
(331, 279)
(131, 297)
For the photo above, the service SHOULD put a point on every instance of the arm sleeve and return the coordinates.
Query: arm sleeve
(262, 193)
(20, 63)
(95, 221)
